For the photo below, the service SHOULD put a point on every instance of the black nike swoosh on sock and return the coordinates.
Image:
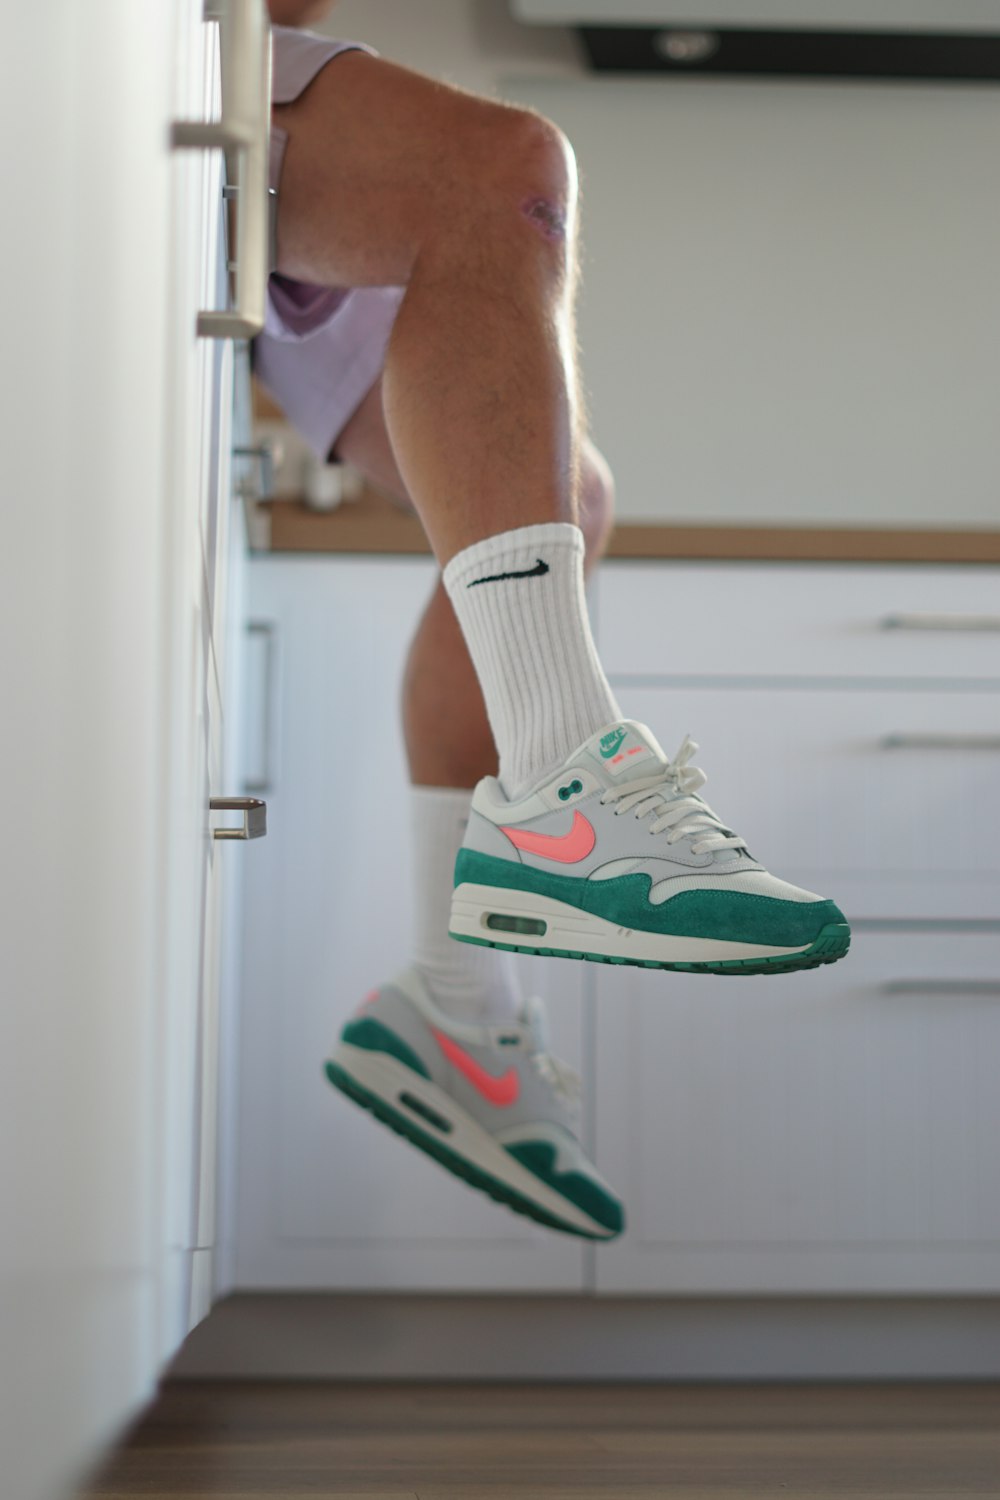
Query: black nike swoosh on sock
(537, 571)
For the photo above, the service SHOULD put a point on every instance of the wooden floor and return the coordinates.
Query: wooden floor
(481, 1442)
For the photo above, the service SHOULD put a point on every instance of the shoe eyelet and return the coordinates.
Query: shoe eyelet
(573, 789)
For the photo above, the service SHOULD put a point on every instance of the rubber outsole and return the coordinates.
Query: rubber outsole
(474, 1176)
(832, 943)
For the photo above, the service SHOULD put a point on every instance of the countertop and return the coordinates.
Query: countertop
(377, 526)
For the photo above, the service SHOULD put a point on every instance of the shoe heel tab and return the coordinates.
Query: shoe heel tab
(364, 1006)
(488, 800)
(411, 984)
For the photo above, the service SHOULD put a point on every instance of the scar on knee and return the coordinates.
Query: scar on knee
(548, 218)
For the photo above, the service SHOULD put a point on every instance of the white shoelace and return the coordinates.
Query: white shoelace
(558, 1074)
(670, 794)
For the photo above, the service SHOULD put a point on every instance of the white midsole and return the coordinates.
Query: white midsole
(389, 1078)
(568, 929)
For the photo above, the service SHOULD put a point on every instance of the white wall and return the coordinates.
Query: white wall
(472, 43)
(789, 310)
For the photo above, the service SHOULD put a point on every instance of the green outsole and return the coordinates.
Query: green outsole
(474, 1176)
(831, 944)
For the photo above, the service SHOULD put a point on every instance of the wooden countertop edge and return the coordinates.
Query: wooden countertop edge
(377, 527)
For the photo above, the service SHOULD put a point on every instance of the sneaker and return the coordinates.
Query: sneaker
(617, 859)
(487, 1102)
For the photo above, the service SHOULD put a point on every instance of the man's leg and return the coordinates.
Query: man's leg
(440, 689)
(449, 743)
(504, 1110)
(391, 178)
(448, 737)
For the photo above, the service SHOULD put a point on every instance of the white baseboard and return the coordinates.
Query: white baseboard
(428, 1337)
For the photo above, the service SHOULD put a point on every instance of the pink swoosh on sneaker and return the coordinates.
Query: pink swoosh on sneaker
(501, 1091)
(567, 848)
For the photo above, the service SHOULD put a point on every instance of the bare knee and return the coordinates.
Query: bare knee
(597, 503)
(516, 171)
(425, 168)
(543, 167)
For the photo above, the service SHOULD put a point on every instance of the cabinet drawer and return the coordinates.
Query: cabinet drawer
(845, 792)
(833, 1133)
(803, 620)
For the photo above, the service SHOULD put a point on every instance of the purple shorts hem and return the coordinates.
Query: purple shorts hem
(322, 348)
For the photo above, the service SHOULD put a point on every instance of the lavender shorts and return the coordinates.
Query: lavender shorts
(322, 348)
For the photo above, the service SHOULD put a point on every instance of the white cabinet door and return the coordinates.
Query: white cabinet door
(328, 1197)
(103, 615)
(201, 545)
(831, 1131)
(828, 1131)
(229, 642)
(219, 859)
(213, 1034)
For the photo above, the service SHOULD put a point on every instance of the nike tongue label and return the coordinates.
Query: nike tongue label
(538, 571)
(625, 758)
(620, 748)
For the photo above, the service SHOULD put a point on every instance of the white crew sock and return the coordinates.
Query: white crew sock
(530, 642)
(467, 981)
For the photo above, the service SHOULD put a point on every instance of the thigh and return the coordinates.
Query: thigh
(377, 156)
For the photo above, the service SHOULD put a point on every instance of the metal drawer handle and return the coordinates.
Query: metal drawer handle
(940, 742)
(254, 817)
(244, 128)
(267, 454)
(940, 622)
(941, 986)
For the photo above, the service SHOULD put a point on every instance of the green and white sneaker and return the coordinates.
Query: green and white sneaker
(617, 859)
(487, 1102)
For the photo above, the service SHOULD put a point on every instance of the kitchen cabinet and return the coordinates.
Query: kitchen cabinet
(828, 1131)
(819, 1132)
(830, 1134)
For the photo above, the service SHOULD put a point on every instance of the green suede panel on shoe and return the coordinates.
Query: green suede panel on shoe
(736, 916)
(539, 1158)
(374, 1037)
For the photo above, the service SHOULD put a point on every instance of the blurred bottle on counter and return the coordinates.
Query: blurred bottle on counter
(325, 486)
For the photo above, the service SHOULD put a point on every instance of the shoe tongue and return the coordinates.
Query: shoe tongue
(628, 751)
(624, 751)
(533, 1018)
